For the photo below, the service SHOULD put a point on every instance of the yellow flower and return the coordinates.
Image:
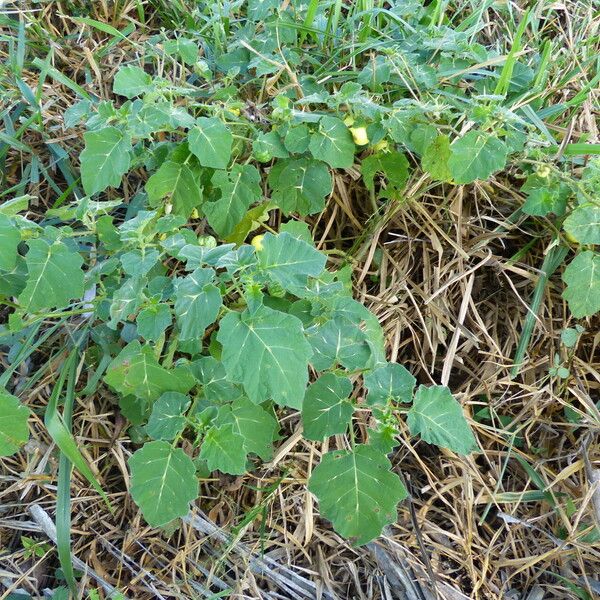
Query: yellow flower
(195, 214)
(349, 121)
(257, 242)
(360, 135)
(235, 111)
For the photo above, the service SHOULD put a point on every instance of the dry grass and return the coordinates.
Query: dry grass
(439, 273)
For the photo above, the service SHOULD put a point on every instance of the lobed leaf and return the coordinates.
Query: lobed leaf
(167, 418)
(197, 303)
(223, 450)
(104, 160)
(476, 155)
(289, 261)
(389, 382)
(14, 431)
(439, 419)
(10, 237)
(584, 223)
(332, 143)
(54, 276)
(239, 188)
(582, 277)
(131, 81)
(163, 482)
(300, 185)
(265, 350)
(326, 409)
(210, 141)
(357, 491)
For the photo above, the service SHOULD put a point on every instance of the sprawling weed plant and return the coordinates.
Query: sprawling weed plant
(205, 339)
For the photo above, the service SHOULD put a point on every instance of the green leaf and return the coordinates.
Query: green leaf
(376, 72)
(253, 219)
(10, 237)
(259, 9)
(267, 146)
(297, 138)
(13, 207)
(178, 180)
(300, 185)
(545, 195)
(289, 261)
(390, 382)
(135, 371)
(239, 188)
(570, 336)
(213, 377)
(167, 418)
(255, 425)
(326, 409)
(126, 300)
(266, 352)
(333, 143)
(298, 229)
(197, 303)
(153, 321)
(476, 155)
(584, 223)
(104, 160)
(383, 439)
(210, 141)
(435, 158)
(339, 341)
(139, 262)
(14, 431)
(163, 482)
(223, 450)
(582, 277)
(358, 314)
(185, 48)
(147, 119)
(393, 165)
(543, 201)
(132, 81)
(54, 276)
(76, 113)
(439, 419)
(357, 492)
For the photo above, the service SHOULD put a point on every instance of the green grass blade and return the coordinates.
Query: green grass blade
(47, 69)
(507, 70)
(67, 445)
(63, 496)
(311, 13)
(552, 261)
(582, 149)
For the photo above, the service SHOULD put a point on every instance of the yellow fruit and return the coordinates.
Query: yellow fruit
(543, 171)
(382, 145)
(571, 238)
(360, 135)
(257, 242)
